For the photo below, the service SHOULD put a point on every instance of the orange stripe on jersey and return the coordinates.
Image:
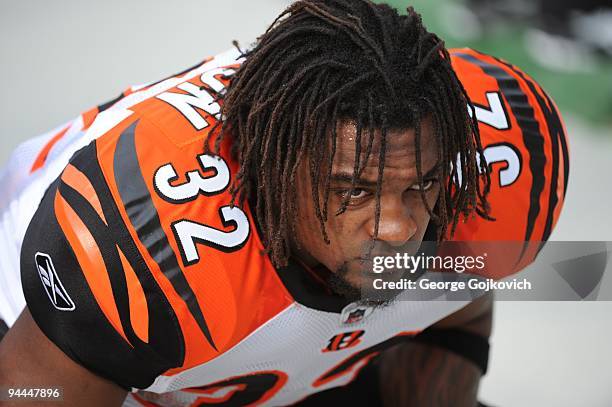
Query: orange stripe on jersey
(217, 395)
(89, 116)
(79, 182)
(44, 153)
(139, 311)
(90, 259)
(221, 393)
(561, 186)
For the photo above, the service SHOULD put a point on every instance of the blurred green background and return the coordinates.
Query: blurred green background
(586, 94)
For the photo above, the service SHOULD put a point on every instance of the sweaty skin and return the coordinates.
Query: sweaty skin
(403, 216)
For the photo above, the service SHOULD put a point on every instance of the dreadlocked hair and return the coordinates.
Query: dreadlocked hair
(324, 61)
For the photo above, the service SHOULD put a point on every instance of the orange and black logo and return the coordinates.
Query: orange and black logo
(344, 341)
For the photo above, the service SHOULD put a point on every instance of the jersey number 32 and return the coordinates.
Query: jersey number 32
(188, 233)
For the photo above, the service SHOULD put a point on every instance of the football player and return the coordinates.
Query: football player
(200, 240)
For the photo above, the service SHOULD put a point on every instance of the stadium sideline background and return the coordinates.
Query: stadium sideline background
(59, 58)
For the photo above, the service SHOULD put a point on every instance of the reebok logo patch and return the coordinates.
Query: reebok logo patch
(53, 286)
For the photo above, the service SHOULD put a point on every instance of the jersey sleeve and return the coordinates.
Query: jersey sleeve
(87, 286)
(526, 149)
(137, 264)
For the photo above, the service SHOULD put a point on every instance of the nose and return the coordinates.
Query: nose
(396, 224)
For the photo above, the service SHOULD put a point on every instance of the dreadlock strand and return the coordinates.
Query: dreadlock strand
(334, 134)
(381, 169)
(357, 157)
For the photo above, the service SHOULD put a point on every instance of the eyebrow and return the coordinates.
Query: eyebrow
(348, 177)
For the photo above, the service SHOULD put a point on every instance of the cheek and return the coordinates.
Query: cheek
(349, 226)
(419, 211)
(309, 237)
(433, 195)
(345, 232)
(342, 234)
(307, 226)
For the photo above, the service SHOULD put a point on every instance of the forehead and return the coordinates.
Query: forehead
(400, 145)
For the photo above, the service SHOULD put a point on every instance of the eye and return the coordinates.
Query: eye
(427, 184)
(357, 195)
